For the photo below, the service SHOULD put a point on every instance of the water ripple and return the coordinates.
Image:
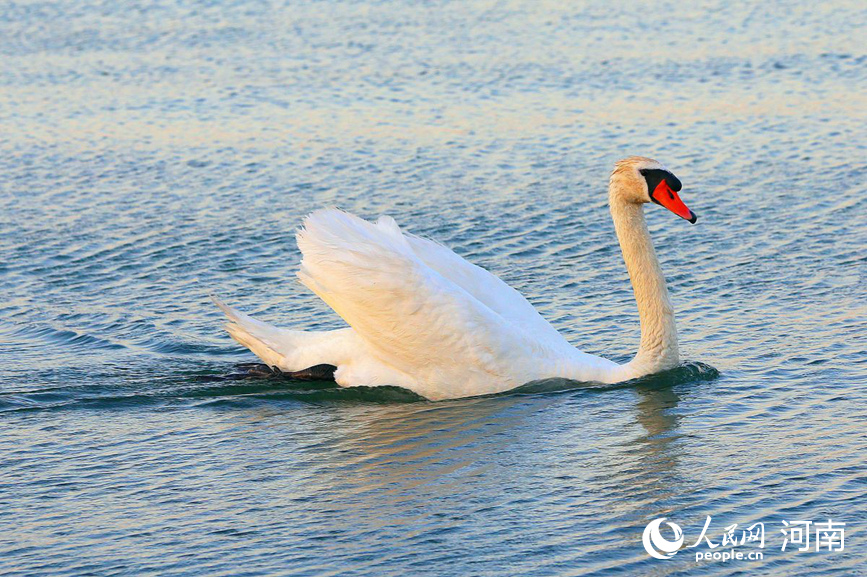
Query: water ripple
(158, 152)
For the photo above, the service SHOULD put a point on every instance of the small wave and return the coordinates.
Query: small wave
(247, 384)
(235, 396)
(688, 372)
(66, 337)
(178, 348)
(334, 394)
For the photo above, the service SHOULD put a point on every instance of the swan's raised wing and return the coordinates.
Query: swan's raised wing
(412, 317)
(483, 285)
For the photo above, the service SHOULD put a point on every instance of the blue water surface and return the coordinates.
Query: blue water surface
(152, 153)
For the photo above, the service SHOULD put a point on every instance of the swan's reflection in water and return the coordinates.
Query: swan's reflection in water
(436, 449)
(655, 411)
(653, 475)
(430, 468)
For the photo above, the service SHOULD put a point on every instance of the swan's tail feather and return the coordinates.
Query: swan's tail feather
(285, 349)
(261, 338)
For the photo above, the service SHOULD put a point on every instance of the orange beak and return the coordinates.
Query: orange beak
(665, 196)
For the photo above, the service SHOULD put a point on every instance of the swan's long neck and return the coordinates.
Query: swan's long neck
(658, 349)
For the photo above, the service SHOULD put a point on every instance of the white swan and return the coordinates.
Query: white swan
(423, 318)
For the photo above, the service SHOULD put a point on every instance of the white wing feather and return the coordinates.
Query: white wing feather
(437, 329)
(486, 287)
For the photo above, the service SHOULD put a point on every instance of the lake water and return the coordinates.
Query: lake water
(154, 152)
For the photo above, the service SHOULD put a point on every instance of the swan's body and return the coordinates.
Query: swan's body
(423, 318)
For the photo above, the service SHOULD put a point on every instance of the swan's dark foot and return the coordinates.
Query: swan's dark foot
(315, 373)
(258, 370)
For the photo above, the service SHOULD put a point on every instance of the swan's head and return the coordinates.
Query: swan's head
(638, 180)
